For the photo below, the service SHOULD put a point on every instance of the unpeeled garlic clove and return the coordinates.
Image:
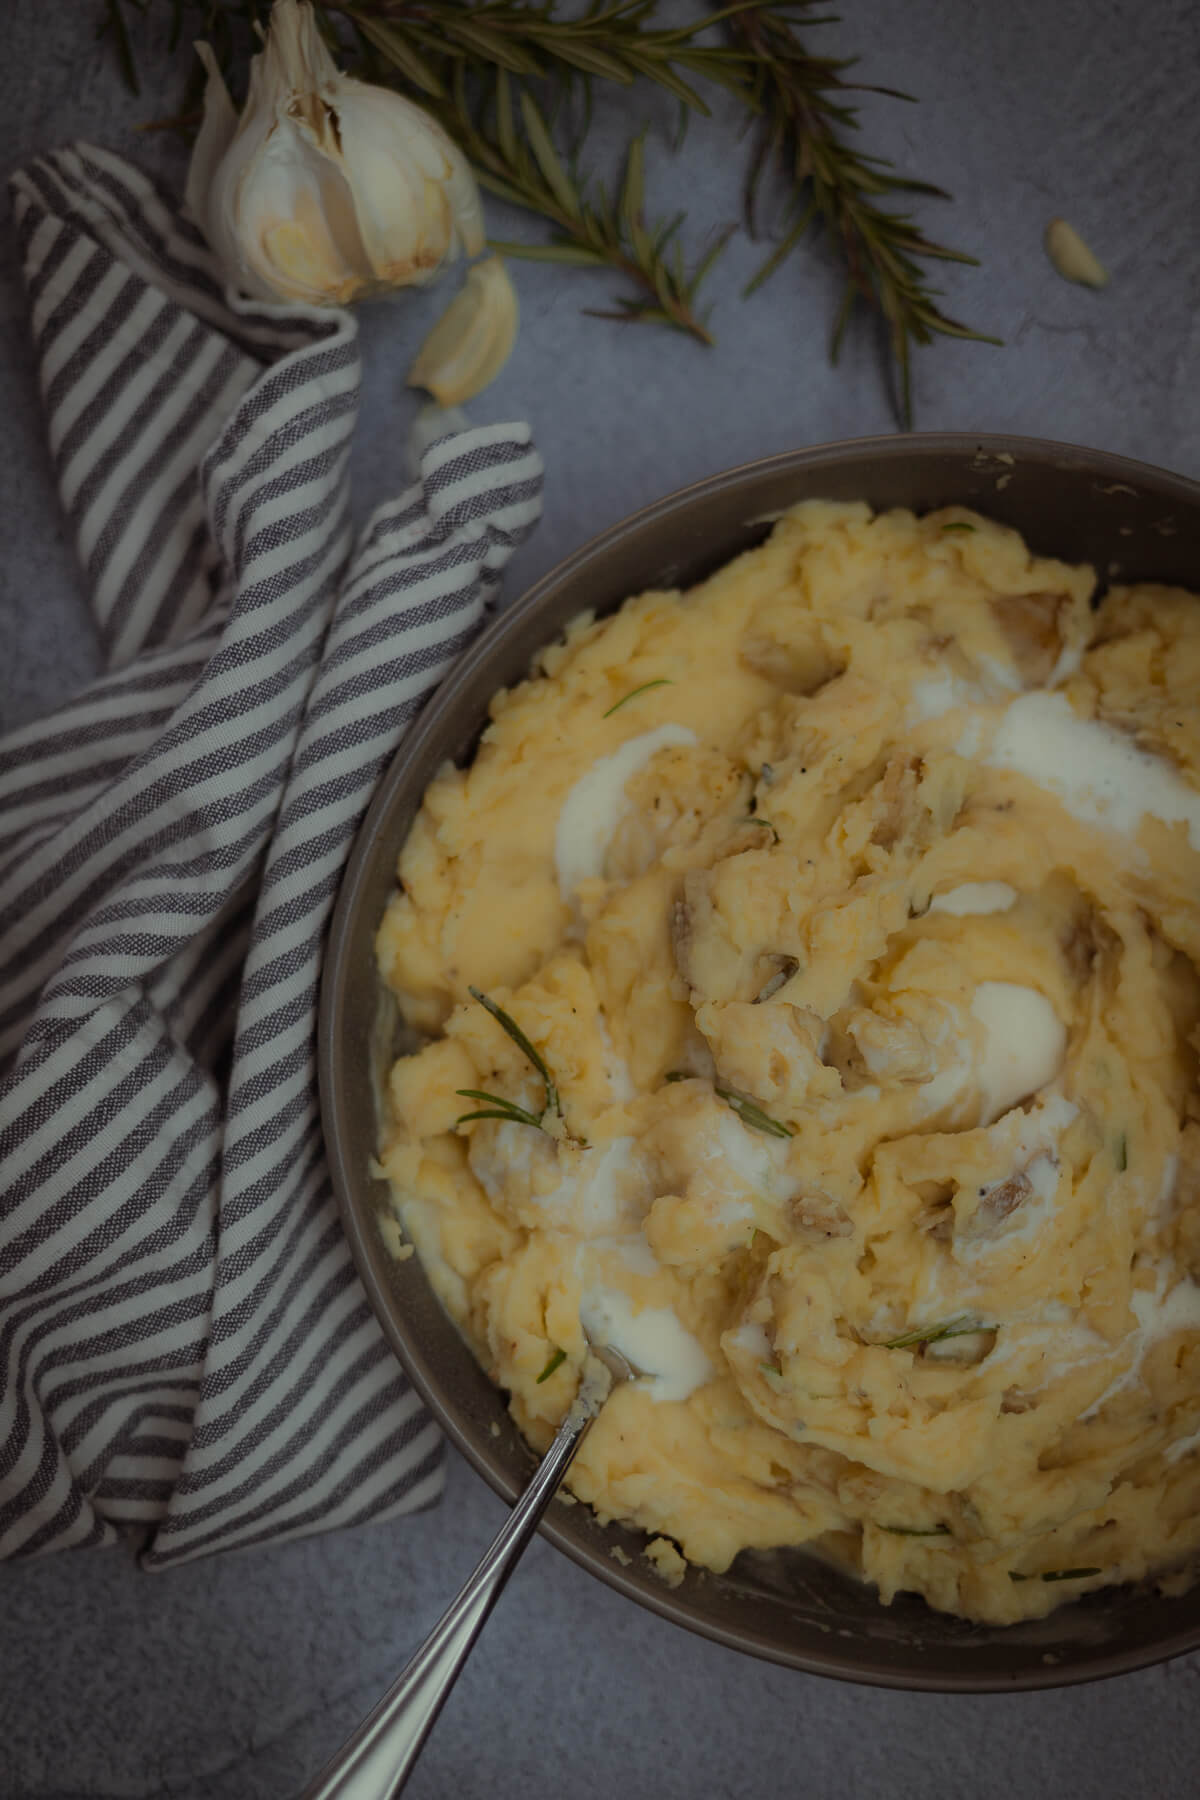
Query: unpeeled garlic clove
(1072, 257)
(432, 184)
(472, 340)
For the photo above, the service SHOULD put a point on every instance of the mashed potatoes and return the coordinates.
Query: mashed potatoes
(850, 901)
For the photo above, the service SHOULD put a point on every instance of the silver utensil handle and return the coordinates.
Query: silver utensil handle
(376, 1761)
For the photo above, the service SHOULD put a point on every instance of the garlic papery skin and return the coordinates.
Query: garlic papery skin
(472, 340)
(326, 189)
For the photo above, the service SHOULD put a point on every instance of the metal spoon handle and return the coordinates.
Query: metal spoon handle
(376, 1761)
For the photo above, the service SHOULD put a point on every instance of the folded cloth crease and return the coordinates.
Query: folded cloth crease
(185, 1349)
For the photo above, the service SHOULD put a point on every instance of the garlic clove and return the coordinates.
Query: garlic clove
(472, 340)
(461, 191)
(297, 226)
(1073, 259)
(415, 194)
(467, 207)
(218, 128)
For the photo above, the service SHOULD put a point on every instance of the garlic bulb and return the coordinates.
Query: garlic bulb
(472, 340)
(327, 188)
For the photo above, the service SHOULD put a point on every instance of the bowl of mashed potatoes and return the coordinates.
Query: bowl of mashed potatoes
(776, 952)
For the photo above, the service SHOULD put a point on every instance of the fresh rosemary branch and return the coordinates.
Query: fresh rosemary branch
(424, 39)
(615, 41)
(805, 132)
(515, 159)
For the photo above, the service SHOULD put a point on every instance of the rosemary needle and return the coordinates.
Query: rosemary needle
(753, 1115)
(663, 681)
(934, 1334)
(497, 1107)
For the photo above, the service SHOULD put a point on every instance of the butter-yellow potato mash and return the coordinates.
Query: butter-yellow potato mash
(850, 902)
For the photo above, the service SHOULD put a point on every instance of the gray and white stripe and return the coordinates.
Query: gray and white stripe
(184, 1346)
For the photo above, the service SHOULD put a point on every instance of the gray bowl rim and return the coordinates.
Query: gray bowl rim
(424, 1376)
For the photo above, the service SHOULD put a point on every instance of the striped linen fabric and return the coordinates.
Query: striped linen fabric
(185, 1350)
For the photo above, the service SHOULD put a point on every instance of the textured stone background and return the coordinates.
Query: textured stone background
(233, 1680)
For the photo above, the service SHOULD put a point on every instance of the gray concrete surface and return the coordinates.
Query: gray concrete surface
(232, 1680)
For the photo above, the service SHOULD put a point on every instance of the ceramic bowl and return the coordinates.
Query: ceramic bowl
(1131, 522)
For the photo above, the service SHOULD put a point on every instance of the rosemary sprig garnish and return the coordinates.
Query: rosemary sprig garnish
(958, 525)
(806, 133)
(555, 1361)
(663, 681)
(497, 1106)
(753, 1115)
(916, 1530)
(515, 158)
(509, 1025)
(754, 819)
(933, 1334)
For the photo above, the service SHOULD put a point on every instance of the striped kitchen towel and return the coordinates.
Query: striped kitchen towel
(185, 1350)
